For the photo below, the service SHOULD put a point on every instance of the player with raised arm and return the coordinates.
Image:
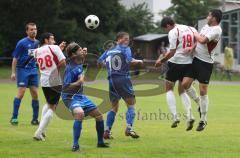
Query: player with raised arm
(50, 59)
(25, 71)
(179, 63)
(75, 100)
(117, 61)
(203, 61)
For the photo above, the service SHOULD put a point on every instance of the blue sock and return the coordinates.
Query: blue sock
(16, 105)
(130, 115)
(100, 131)
(77, 127)
(35, 107)
(110, 119)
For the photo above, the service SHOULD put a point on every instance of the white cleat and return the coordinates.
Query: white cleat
(38, 137)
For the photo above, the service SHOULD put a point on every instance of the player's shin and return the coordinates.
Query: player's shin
(130, 116)
(77, 127)
(35, 107)
(193, 94)
(16, 105)
(171, 101)
(187, 105)
(110, 120)
(100, 131)
(44, 122)
(44, 110)
(204, 107)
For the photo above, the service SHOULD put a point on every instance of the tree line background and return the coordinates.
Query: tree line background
(65, 18)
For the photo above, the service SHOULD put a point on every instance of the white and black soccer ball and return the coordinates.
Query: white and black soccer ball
(92, 22)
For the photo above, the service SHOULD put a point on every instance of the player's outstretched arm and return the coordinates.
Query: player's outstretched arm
(136, 62)
(167, 56)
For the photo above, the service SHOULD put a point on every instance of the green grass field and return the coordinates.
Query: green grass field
(221, 139)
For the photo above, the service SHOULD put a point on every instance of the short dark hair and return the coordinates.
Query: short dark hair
(121, 35)
(167, 21)
(29, 24)
(44, 36)
(72, 48)
(217, 13)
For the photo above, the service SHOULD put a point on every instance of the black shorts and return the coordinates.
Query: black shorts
(52, 94)
(178, 71)
(201, 71)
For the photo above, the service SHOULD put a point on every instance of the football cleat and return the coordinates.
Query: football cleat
(131, 133)
(38, 137)
(107, 135)
(190, 124)
(35, 122)
(75, 148)
(201, 126)
(104, 145)
(14, 121)
(175, 123)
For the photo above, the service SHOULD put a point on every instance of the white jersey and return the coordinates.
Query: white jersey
(205, 52)
(48, 57)
(181, 37)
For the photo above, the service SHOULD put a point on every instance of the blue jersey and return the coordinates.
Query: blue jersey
(23, 48)
(117, 60)
(72, 74)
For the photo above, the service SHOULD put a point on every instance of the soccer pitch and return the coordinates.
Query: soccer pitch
(220, 139)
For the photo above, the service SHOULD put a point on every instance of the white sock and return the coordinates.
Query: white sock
(187, 105)
(193, 94)
(44, 122)
(44, 110)
(171, 101)
(204, 107)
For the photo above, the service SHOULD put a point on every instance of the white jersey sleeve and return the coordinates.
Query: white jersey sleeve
(57, 53)
(173, 39)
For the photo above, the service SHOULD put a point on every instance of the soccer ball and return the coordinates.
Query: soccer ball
(92, 22)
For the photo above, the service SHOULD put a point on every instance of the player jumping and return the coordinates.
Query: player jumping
(179, 63)
(203, 60)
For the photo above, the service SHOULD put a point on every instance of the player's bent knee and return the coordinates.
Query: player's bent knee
(78, 114)
(99, 117)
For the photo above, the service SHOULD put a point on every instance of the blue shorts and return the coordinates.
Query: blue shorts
(27, 77)
(120, 87)
(80, 101)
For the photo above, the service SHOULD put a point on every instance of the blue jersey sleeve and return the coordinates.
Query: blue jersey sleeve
(129, 55)
(102, 57)
(18, 50)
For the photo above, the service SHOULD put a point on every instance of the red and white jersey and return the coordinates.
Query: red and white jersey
(48, 58)
(181, 37)
(205, 52)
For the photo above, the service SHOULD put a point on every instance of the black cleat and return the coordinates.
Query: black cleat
(75, 148)
(190, 124)
(131, 133)
(175, 124)
(201, 126)
(44, 135)
(104, 145)
(35, 122)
